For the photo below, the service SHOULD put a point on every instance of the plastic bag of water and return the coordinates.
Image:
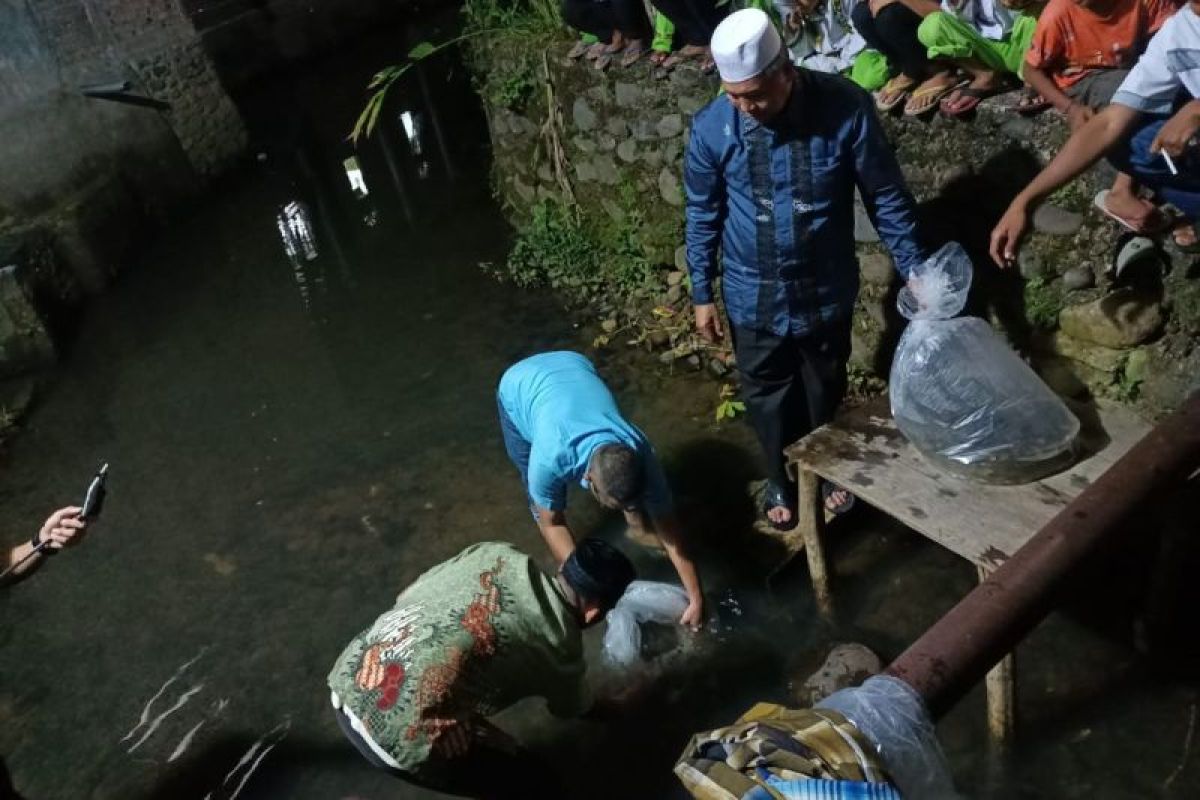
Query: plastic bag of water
(643, 601)
(961, 395)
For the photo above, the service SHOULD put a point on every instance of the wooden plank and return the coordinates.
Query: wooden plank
(985, 524)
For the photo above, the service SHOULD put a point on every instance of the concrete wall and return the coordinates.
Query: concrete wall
(1062, 307)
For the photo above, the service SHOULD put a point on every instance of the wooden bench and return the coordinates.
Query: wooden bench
(985, 524)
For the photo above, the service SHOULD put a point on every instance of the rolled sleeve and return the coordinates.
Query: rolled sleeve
(705, 188)
(885, 195)
(1151, 86)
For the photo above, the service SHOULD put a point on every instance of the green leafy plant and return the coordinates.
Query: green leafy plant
(1043, 302)
(501, 19)
(728, 406)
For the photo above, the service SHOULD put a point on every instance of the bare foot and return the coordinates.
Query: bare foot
(1140, 215)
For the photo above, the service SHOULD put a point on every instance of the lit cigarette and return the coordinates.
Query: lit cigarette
(1170, 164)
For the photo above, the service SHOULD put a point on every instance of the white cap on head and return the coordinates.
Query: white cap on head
(744, 45)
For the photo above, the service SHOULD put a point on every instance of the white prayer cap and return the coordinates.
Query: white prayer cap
(744, 45)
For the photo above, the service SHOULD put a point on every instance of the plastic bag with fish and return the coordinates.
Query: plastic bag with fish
(643, 601)
(959, 392)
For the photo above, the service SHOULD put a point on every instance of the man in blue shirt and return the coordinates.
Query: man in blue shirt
(561, 425)
(770, 175)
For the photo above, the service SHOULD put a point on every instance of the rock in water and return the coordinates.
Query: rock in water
(846, 665)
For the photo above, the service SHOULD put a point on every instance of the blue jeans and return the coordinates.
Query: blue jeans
(1133, 157)
(517, 447)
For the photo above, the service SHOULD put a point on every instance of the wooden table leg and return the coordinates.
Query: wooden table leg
(811, 523)
(1000, 685)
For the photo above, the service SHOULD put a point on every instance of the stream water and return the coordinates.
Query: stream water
(294, 438)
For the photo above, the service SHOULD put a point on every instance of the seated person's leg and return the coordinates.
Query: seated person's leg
(1135, 158)
(897, 24)
(948, 38)
(591, 18)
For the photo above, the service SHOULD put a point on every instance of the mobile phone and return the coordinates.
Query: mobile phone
(93, 501)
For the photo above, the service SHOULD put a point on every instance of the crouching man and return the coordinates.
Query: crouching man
(469, 638)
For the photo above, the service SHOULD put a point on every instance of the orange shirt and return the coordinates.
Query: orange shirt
(1071, 41)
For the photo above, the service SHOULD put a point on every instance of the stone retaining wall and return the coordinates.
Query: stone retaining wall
(622, 135)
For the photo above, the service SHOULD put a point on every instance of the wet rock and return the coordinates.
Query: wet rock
(582, 115)
(1078, 278)
(1122, 319)
(1030, 264)
(669, 188)
(525, 191)
(689, 104)
(846, 665)
(644, 130)
(606, 170)
(877, 268)
(864, 231)
(1056, 221)
(628, 95)
(681, 258)
(1101, 359)
(583, 144)
(627, 151)
(584, 171)
(676, 277)
(669, 126)
(617, 127)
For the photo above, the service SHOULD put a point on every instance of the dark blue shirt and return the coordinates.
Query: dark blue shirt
(779, 200)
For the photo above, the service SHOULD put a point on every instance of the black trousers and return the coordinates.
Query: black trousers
(486, 773)
(602, 18)
(791, 385)
(893, 32)
(694, 20)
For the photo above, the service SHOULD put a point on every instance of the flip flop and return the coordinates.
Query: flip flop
(603, 62)
(901, 85)
(578, 51)
(772, 497)
(657, 58)
(631, 54)
(1031, 103)
(837, 509)
(595, 51)
(974, 97)
(934, 95)
(1100, 201)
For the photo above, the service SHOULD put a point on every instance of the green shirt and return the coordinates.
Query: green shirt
(470, 637)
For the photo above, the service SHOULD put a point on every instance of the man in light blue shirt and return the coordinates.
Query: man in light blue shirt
(561, 425)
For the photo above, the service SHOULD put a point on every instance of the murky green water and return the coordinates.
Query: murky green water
(292, 442)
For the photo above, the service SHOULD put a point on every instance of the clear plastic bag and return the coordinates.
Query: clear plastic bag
(643, 601)
(889, 713)
(961, 395)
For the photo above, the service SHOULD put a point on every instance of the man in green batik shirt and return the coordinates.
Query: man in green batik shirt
(467, 639)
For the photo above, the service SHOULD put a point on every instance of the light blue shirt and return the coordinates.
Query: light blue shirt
(560, 406)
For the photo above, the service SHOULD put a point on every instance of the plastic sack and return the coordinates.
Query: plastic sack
(959, 392)
(888, 712)
(643, 601)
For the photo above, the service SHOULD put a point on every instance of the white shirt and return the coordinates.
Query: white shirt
(828, 42)
(1170, 65)
(992, 20)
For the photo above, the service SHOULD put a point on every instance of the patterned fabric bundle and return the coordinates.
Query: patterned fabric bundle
(777, 753)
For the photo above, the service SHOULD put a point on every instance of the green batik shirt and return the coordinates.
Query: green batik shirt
(470, 637)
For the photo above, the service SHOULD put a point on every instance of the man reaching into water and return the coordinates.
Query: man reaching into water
(466, 640)
(561, 424)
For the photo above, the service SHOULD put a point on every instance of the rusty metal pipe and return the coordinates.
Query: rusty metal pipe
(962, 646)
